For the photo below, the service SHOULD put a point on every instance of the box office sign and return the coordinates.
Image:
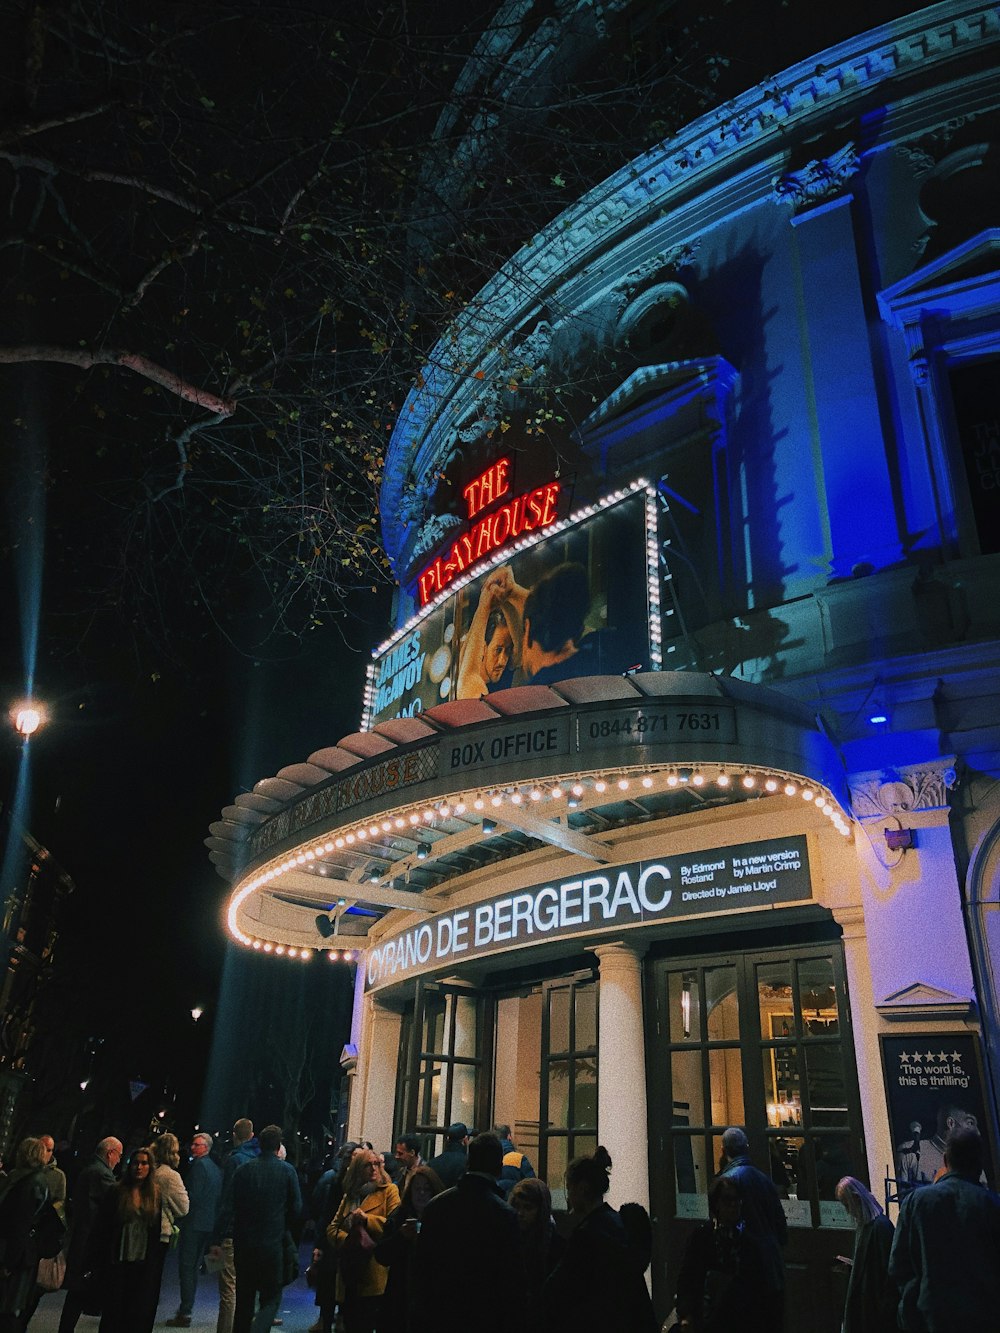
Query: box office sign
(934, 1083)
(607, 898)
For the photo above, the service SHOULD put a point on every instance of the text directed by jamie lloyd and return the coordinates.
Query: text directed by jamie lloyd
(607, 898)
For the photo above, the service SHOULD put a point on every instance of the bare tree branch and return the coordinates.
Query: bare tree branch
(26, 129)
(52, 168)
(142, 365)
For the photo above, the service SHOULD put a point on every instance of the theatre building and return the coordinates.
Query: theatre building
(674, 802)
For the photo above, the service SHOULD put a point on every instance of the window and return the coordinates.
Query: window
(758, 1040)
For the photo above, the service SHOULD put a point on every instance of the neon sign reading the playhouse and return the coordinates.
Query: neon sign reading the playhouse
(524, 513)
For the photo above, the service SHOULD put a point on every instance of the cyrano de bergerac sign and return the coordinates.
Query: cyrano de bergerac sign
(609, 898)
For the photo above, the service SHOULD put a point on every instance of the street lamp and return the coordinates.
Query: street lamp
(28, 716)
(197, 1012)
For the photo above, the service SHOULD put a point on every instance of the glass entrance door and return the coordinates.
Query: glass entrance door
(759, 1040)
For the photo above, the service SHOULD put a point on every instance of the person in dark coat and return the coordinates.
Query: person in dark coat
(945, 1256)
(126, 1248)
(871, 1293)
(95, 1180)
(204, 1188)
(394, 1250)
(720, 1286)
(598, 1284)
(467, 1257)
(30, 1229)
(542, 1247)
(763, 1217)
(267, 1203)
(450, 1165)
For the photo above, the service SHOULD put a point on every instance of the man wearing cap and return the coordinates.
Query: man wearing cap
(450, 1164)
(515, 1163)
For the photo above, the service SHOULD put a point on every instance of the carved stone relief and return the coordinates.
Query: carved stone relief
(905, 791)
(817, 180)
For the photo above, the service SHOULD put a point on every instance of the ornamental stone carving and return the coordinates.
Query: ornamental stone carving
(817, 180)
(874, 796)
(662, 267)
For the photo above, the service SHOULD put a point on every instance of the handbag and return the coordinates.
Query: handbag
(51, 1272)
(355, 1255)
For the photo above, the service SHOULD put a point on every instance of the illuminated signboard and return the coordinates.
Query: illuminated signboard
(756, 874)
(499, 527)
(573, 603)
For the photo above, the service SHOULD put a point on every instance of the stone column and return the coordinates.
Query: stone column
(372, 1106)
(865, 1023)
(621, 1077)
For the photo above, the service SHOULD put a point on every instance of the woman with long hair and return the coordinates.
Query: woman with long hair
(395, 1250)
(598, 1284)
(354, 1232)
(872, 1297)
(542, 1247)
(126, 1248)
(30, 1229)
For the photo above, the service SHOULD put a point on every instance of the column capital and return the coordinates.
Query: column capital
(851, 920)
(619, 959)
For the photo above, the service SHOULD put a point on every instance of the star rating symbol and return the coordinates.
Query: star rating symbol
(904, 1058)
(943, 1056)
(956, 1058)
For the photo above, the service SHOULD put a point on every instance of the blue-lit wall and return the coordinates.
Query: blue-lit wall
(827, 250)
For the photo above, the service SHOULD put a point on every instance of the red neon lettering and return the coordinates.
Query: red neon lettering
(487, 487)
(525, 513)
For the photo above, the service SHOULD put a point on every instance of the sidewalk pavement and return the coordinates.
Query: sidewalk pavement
(297, 1309)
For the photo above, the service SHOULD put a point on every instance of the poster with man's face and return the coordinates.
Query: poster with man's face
(934, 1085)
(574, 604)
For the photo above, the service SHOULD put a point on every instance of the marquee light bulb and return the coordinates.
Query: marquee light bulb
(698, 779)
(749, 781)
(647, 781)
(577, 789)
(723, 780)
(478, 803)
(623, 784)
(600, 785)
(770, 785)
(807, 795)
(790, 789)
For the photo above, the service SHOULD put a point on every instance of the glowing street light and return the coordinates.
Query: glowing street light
(28, 716)
(197, 1012)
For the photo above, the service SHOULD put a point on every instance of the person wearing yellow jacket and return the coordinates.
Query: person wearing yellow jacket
(369, 1198)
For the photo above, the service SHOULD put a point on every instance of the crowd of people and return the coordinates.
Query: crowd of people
(938, 1271)
(466, 1241)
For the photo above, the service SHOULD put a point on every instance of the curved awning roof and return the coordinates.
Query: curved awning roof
(418, 802)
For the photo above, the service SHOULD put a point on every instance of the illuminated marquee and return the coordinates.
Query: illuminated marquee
(530, 512)
(611, 898)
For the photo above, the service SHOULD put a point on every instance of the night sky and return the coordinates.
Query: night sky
(158, 720)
